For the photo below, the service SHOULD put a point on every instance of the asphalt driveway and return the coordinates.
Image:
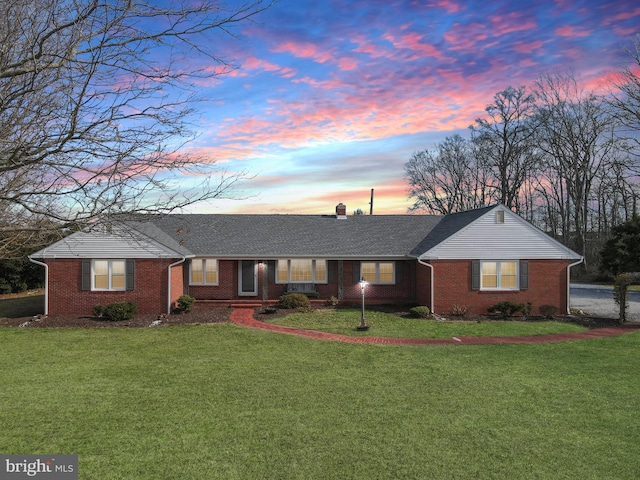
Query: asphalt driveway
(597, 300)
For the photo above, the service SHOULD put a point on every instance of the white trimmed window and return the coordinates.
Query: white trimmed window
(499, 275)
(204, 271)
(301, 270)
(378, 272)
(108, 275)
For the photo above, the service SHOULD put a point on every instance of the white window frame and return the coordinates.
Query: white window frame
(203, 262)
(377, 279)
(314, 279)
(110, 287)
(499, 275)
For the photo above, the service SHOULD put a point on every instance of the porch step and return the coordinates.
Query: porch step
(235, 303)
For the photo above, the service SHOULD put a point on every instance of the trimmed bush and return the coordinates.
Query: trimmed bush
(459, 310)
(548, 311)
(184, 304)
(115, 312)
(295, 300)
(508, 309)
(98, 311)
(332, 301)
(420, 312)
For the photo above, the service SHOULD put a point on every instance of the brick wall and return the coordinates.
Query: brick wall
(547, 286)
(66, 296)
(227, 288)
(178, 282)
(452, 278)
(402, 292)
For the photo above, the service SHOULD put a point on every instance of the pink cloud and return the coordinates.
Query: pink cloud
(530, 47)
(466, 37)
(303, 50)
(570, 31)
(509, 23)
(412, 41)
(448, 5)
(623, 16)
(346, 64)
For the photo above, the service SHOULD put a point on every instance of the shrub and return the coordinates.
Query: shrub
(295, 300)
(508, 309)
(548, 311)
(98, 311)
(184, 304)
(459, 310)
(333, 301)
(114, 312)
(420, 312)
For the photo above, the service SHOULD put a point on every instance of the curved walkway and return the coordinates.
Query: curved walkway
(244, 317)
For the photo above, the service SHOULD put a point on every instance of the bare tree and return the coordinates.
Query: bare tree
(626, 97)
(504, 142)
(96, 104)
(449, 179)
(576, 136)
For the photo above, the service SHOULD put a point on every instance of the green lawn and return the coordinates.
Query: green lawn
(344, 322)
(226, 402)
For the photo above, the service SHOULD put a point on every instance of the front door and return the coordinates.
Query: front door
(247, 278)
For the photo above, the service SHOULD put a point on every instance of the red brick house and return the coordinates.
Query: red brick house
(471, 259)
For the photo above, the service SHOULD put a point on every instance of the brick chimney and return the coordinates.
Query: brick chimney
(341, 210)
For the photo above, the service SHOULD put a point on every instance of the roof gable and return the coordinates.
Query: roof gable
(484, 237)
(120, 243)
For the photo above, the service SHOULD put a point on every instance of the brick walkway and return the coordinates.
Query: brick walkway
(244, 317)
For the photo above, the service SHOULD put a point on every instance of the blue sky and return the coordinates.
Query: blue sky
(329, 99)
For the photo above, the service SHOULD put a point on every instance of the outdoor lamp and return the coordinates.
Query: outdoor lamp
(363, 325)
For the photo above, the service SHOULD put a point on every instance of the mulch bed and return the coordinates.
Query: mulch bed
(197, 316)
(212, 315)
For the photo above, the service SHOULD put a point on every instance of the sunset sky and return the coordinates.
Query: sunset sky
(331, 98)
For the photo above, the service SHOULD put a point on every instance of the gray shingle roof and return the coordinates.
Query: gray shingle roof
(278, 236)
(449, 225)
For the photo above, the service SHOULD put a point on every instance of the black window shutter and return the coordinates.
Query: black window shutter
(524, 274)
(332, 274)
(356, 272)
(399, 267)
(271, 270)
(131, 274)
(86, 274)
(475, 275)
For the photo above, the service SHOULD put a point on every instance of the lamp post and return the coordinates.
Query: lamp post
(363, 325)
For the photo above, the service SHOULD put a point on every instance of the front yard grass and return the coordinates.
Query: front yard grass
(226, 402)
(344, 322)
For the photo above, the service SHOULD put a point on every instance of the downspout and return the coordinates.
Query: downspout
(431, 286)
(569, 283)
(169, 283)
(46, 283)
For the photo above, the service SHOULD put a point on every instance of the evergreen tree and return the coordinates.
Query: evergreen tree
(621, 253)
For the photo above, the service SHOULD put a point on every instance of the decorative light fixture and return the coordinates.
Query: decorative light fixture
(363, 324)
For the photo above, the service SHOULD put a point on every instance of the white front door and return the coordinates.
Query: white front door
(247, 278)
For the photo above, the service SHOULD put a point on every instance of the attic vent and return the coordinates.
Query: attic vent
(500, 216)
(341, 210)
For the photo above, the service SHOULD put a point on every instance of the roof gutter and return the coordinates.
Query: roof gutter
(569, 283)
(169, 282)
(46, 283)
(421, 262)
